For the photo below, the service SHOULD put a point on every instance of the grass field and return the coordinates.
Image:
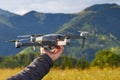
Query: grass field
(71, 74)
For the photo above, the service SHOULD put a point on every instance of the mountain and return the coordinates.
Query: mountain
(33, 22)
(102, 21)
(36, 22)
(6, 13)
(104, 17)
(4, 18)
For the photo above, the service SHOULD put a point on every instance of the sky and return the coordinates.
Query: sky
(50, 6)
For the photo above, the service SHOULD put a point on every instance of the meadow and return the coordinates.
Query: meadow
(71, 74)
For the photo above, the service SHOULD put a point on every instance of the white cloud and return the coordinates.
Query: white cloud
(52, 6)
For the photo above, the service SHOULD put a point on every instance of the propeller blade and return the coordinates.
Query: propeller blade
(24, 36)
(24, 39)
(83, 31)
(17, 40)
(11, 41)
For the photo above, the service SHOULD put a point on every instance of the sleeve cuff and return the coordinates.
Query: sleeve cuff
(49, 60)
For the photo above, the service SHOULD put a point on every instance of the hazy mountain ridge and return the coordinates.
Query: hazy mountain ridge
(6, 13)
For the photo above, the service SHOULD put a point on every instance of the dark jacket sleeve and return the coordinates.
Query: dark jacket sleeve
(36, 70)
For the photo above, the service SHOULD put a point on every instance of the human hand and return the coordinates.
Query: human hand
(55, 53)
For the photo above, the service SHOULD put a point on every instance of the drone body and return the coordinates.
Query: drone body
(49, 40)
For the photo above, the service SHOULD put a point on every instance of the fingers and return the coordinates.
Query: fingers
(55, 53)
(49, 51)
(55, 50)
(59, 49)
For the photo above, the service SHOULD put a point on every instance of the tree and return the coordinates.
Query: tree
(105, 58)
(1, 59)
(9, 62)
(67, 62)
(82, 63)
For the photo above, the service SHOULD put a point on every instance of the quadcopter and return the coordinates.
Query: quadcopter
(48, 40)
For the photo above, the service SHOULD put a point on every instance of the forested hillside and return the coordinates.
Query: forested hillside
(102, 22)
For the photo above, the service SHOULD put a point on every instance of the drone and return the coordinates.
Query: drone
(48, 40)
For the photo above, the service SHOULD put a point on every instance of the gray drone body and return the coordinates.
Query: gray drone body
(44, 41)
(50, 40)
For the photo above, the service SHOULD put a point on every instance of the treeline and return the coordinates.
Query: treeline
(103, 58)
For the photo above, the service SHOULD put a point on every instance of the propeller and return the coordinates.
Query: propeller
(83, 33)
(32, 38)
(33, 35)
(23, 36)
(12, 40)
(17, 40)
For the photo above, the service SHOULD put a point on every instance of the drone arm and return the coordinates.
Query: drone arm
(44, 43)
(75, 37)
(18, 45)
(31, 44)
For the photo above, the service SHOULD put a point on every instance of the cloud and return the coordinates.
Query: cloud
(50, 6)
